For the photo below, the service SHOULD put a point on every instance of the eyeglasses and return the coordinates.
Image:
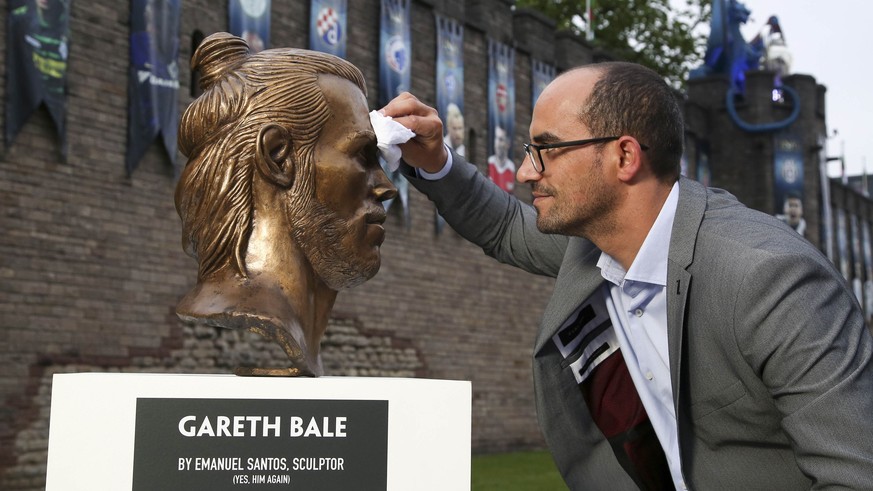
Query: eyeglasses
(536, 158)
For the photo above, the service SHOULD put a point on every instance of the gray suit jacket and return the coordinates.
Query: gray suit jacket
(770, 357)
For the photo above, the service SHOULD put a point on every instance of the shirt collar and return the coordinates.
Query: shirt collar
(650, 264)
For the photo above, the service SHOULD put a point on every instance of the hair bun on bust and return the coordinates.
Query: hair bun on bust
(217, 54)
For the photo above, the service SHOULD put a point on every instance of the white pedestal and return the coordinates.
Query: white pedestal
(138, 431)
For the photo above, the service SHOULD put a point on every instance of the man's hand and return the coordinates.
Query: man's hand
(426, 151)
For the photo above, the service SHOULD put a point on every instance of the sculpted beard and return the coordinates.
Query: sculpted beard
(321, 235)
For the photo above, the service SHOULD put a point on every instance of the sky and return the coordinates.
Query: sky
(829, 41)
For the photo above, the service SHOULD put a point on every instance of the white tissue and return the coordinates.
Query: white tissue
(389, 134)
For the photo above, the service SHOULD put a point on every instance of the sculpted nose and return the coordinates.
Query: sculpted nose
(382, 187)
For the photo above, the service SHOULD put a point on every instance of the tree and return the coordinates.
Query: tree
(660, 34)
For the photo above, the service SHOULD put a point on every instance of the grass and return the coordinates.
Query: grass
(522, 471)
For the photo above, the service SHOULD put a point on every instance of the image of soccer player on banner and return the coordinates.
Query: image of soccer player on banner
(395, 76)
(327, 26)
(250, 20)
(153, 78)
(450, 89)
(501, 114)
(788, 180)
(37, 45)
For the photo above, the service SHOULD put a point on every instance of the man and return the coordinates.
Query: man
(281, 198)
(501, 169)
(690, 342)
(455, 129)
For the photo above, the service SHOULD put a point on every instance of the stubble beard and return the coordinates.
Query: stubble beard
(586, 220)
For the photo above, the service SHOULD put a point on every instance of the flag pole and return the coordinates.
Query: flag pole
(589, 28)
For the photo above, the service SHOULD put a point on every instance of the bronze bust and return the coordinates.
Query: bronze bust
(281, 198)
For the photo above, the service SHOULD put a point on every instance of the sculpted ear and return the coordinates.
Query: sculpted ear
(275, 155)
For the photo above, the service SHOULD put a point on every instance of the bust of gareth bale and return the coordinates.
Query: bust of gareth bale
(281, 197)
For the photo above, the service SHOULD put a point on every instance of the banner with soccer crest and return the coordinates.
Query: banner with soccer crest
(788, 180)
(327, 26)
(501, 114)
(37, 45)
(450, 89)
(395, 75)
(450, 81)
(153, 79)
(250, 20)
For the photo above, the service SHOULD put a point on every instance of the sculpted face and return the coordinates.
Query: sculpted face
(572, 195)
(341, 230)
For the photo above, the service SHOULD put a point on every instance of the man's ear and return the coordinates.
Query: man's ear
(274, 155)
(630, 158)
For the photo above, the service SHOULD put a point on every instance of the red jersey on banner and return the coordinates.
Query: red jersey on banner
(502, 172)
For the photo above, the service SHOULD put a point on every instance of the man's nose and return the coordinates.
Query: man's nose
(526, 172)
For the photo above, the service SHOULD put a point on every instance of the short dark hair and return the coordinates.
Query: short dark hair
(630, 99)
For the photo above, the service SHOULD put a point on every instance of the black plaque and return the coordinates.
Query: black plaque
(235, 444)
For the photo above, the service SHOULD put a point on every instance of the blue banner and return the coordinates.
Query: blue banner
(868, 268)
(450, 89)
(857, 261)
(843, 245)
(327, 26)
(788, 180)
(450, 81)
(37, 45)
(250, 20)
(395, 49)
(395, 75)
(501, 114)
(541, 75)
(153, 79)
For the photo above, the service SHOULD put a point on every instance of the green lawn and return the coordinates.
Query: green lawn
(522, 471)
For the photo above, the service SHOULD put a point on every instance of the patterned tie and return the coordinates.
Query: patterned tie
(588, 344)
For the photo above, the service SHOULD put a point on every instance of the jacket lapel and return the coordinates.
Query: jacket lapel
(689, 214)
(579, 277)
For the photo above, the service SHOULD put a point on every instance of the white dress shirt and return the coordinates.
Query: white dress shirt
(637, 305)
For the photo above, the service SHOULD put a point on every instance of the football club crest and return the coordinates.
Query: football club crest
(396, 54)
(501, 97)
(328, 26)
(451, 85)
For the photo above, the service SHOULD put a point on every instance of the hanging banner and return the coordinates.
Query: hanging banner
(450, 81)
(153, 81)
(827, 220)
(327, 26)
(501, 114)
(702, 167)
(857, 260)
(868, 269)
(395, 76)
(450, 89)
(250, 20)
(396, 50)
(541, 75)
(843, 245)
(788, 180)
(37, 46)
